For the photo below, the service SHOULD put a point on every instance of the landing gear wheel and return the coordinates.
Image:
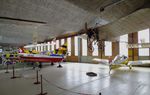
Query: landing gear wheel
(52, 63)
(130, 67)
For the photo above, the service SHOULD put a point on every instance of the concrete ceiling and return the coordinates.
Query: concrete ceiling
(66, 16)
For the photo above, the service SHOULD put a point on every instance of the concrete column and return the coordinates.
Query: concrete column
(54, 46)
(65, 40)
(133, 52)
(89, 53)
(50, 46)
(38, 47)
(115, 48)
(59, 42)
(101, 52)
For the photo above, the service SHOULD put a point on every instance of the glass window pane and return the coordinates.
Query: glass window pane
(52, 45)
(76, 45)
(84, 47)
(95, 47)
(57, 44)
(62, 41)
(108, 48)
(143, 37)
(69, 46)
(48, 46)
(144, 52)
(123, 49)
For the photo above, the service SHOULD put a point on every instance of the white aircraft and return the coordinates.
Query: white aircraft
(121, 61)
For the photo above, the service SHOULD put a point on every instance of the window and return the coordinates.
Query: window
(144, 52)
(41, 47)
(57, 44)
(52, 46)
(62, 41)
(143, 36)
(36, 48)
(48, 46)
(76, 45)
(84, 47)
(123, 49)
(108, 48)
(95, 47)
(69, 46)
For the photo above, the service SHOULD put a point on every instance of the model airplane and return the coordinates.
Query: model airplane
(120, 61)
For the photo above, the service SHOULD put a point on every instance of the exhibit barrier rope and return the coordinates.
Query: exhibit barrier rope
(75, 87)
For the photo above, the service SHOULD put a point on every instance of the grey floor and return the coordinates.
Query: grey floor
(72, 80)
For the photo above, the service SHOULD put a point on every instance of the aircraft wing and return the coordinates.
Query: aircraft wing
(101, 61)
(139, 62)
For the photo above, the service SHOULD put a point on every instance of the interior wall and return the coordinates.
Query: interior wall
(133, 53)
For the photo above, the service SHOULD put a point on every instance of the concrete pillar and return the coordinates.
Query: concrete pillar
(89, 53)
(54, 46)
(50, 46)
(65, 40)
(115, 48)
(59, 42)
(133, 52)
(101, 50)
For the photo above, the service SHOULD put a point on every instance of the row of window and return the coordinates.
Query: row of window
(143, 36)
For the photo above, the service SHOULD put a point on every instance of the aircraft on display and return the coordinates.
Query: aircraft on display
(120, 61)
(58, 55)
(24, 55)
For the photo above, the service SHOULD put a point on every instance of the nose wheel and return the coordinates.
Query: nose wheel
(130, 67)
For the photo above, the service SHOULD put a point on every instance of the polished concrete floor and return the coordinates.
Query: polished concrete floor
(72, 80)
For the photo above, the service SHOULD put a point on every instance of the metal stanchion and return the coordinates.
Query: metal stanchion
(37, 77)
(59, 66)
(7, 69)
(42, 93)
(13, 77)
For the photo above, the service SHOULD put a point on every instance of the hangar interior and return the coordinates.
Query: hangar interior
(75, 47)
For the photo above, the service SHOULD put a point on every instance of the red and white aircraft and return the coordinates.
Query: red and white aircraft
(29, 57)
